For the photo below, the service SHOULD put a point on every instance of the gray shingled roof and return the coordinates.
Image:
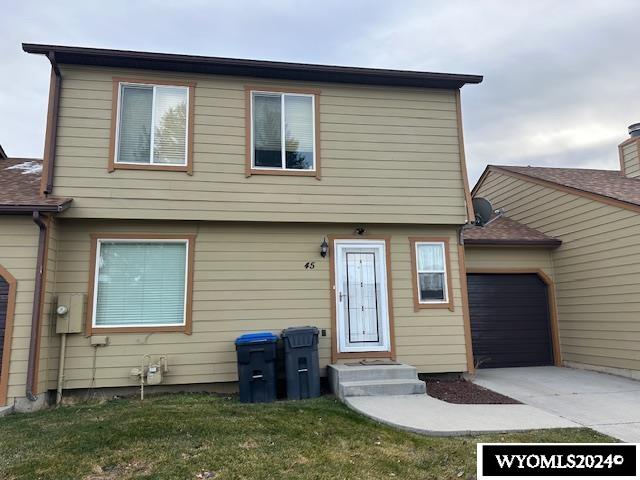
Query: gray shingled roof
(506, 231)
(607, 183)
(20, 187)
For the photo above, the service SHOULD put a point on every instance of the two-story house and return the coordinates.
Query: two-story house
(185, 200)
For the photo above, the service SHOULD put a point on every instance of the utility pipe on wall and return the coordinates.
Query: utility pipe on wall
(63, 348)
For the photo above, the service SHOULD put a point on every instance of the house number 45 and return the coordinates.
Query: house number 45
(310, 265)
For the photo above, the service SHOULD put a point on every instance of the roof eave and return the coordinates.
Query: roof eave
(250, 68)
(20, 209)
(495, 242)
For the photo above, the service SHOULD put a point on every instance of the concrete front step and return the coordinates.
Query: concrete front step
(356, 373)
(370, 380)
(373, 388)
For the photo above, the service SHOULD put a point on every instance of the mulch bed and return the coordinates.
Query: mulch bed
(459, 390)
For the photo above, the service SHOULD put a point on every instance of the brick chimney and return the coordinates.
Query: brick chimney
(629, 152)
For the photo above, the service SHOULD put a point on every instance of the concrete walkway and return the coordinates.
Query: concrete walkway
(606, 403)
(6, 410)
(430, 416)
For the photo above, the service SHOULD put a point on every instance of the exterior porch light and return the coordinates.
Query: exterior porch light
(324, 248)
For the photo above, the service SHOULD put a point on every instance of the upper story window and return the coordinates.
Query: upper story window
(153, 126)
(283, 132)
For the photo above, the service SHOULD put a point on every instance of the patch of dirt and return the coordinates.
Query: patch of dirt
(120, 471)
(459, 390)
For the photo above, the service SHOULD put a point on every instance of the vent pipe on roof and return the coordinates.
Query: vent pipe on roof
(629, 152)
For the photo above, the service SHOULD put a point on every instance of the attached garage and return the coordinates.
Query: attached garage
(511, 295)
(510, 320)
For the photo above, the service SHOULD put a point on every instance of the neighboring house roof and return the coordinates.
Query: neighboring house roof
(251, 68)
(20, 188)
(604, 185)
(506, 231)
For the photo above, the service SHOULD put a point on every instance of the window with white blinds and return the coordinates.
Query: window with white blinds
(140, 283)
(431, 272)
(283, 131)
(152, 124)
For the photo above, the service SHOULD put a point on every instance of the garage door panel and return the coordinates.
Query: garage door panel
(508, 315)
(508, 333)
(508, 360)
(510, 321)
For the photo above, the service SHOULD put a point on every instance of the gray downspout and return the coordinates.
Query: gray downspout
(36, 315)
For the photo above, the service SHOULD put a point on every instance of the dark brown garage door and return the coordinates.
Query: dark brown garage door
(510, 324)
(4, 303)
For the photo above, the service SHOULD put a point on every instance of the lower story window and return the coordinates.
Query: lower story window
(432, 286)
(141, 283)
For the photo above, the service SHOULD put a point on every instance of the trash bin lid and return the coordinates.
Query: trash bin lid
(257, 337)
(299, 331)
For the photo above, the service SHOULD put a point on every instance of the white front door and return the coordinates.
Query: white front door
(362, 310)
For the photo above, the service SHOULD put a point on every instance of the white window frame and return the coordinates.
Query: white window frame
(99, 241)
(445, 279)
(153, 111)
(283, 131)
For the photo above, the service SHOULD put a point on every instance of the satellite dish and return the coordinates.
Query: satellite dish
(483, 209)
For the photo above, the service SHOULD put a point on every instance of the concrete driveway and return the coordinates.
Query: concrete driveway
(606, 403)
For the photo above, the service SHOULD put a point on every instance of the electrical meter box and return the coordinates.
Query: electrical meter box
(70, 313)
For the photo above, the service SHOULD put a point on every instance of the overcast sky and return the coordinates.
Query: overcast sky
(561, 78)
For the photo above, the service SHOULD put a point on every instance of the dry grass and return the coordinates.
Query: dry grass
(201, 436)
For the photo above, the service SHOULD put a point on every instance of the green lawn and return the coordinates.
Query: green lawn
(194, 436)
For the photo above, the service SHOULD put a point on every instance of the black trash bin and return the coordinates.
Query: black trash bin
(301, 362)
(256, 367)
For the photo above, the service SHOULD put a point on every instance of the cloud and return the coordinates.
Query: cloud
(560, 77)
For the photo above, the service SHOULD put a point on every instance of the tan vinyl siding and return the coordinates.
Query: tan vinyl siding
(388, 155)
(18, 254)
(251, 278)
(630, 159)
(509, 258)
(597, 268)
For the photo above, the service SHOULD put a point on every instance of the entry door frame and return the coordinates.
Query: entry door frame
(388, 351)
(8, 334)
(551, 297)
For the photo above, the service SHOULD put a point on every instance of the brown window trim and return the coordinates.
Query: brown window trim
(249, 171)
(417, 306)
(8, 334)
(113, 165)
(186, 328)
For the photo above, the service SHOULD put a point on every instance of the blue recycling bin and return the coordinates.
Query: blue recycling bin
(256, 354)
